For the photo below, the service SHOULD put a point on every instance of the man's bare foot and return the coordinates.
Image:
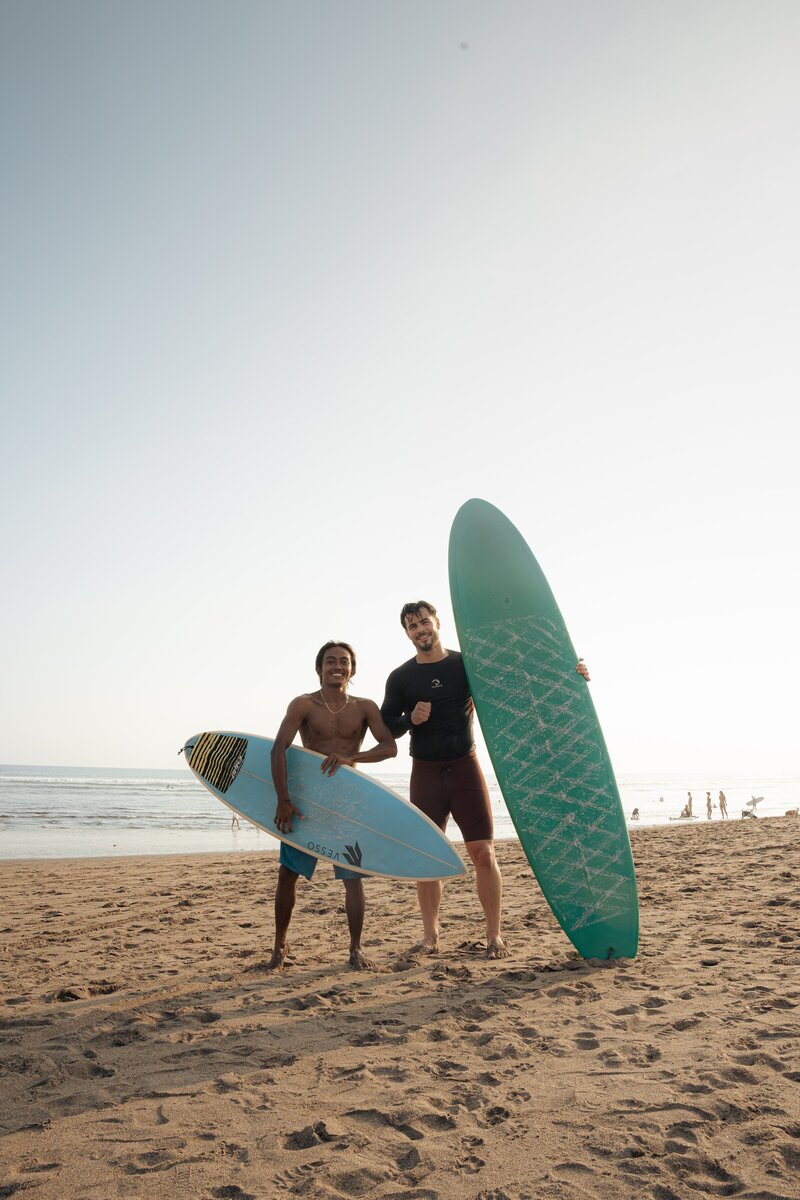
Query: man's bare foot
(497, 948)
(360, 962)
(423, 947)
(278, 960)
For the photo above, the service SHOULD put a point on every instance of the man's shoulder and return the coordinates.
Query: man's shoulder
(411, 666)
(404, 668)
(456, 668)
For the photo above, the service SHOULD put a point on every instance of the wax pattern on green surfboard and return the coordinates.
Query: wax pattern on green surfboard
(542, 732)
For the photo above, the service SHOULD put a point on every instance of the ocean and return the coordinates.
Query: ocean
(77, 812)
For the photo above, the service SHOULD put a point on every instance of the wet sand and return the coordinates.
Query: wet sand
(146, 1052)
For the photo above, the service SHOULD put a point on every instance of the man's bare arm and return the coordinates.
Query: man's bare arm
(386, 746)
(295, 715)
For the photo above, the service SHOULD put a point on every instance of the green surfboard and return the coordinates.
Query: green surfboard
(544, 739)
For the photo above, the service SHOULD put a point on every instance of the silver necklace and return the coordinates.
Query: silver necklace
(334, 710)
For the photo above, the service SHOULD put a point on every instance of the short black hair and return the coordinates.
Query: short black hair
(328, 646)
(412, 609)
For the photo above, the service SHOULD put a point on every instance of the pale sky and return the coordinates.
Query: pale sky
(284, 284)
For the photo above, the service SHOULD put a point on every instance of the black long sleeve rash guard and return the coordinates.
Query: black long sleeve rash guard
(448, 731)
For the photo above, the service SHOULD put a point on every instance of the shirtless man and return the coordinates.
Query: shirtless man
(334, 724)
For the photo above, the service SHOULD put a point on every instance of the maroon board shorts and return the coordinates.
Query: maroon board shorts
(454, 787)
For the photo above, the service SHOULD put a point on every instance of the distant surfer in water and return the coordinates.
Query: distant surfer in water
(334, 724)
(429, 697)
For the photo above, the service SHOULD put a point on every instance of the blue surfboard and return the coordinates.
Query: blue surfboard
(349, 819)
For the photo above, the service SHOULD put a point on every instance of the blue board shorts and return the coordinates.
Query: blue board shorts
(306, 864)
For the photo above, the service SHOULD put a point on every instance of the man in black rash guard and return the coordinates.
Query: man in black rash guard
(429, 697)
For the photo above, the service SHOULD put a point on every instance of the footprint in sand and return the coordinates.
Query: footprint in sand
(302, 1139)
(233, 1150)
(409, 1159)
(685, 1023)
(225, 1084)
(695, 1089)
(437, 1121)
(654, 1002)
(496, 1115)
(359, 1180)
(398, 1121)
(95, 987)
(469, 1097)
(757, 1057)
(643, 1056)
(790, 1155)
(471, 1164)
(297, 1179)
(125, 1037)
(445, 1068)
(436, 1035)
(350, 1072)
(707, 1175)
(680, 1132)
(34, 1169)
(393, 1074)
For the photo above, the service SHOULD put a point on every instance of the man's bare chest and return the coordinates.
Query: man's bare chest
(329, 727)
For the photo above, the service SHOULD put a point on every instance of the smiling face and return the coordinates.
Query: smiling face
(336, 668)
(422, 628)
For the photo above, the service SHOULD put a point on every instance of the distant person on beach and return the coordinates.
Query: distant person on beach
(429, 697)
(635, 815)
(709, 805)
(689, 805)
(234, 822)
(723, 806)
(334, 724)
(685, 813)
